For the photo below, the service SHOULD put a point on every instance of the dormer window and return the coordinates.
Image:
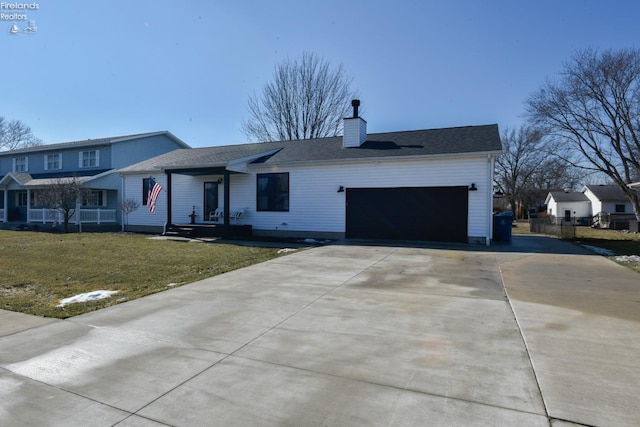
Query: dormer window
(20, 164)
(52, 161)
(89, 159)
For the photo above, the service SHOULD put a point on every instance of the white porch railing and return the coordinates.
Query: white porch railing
(1, 215)
(95, 216)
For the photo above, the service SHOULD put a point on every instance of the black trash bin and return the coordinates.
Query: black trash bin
(502, 224)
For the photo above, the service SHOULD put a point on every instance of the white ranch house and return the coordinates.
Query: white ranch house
(599, 205)
(433, 184)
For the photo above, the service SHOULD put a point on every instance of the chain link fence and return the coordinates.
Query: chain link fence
(559, 227)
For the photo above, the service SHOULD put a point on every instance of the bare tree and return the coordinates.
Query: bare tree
(594, 108)
(16, 134)
(306, 99)
(62, 195)
(528, 169)
(128, 206)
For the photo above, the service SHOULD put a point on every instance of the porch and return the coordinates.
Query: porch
(81, 216)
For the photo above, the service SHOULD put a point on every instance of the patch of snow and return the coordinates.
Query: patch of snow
(89, 296)
(599, 251)
(628, 258)
(172, 284)
(285, 250)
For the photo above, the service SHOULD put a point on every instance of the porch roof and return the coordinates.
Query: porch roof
(29, 181)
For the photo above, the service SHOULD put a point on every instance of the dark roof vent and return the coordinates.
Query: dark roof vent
(355, 104)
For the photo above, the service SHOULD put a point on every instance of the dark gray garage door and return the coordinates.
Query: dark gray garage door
(408, 213)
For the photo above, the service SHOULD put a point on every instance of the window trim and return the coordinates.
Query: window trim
(81, 159)
(271, 203)
(26, 164)
(46, 161)
(104, 198)
(145, 190)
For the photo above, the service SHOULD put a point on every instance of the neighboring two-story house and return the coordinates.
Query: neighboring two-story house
(25, 172)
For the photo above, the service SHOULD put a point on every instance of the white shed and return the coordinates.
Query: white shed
(568, 205)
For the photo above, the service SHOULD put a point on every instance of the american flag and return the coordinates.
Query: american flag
(152, 197)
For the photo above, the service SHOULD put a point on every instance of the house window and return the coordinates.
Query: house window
(20, 164)
(89, 159)
(273, 192)
(94, 198)
(620, 209)
(21, 199)
(145, 190)
(52, 161)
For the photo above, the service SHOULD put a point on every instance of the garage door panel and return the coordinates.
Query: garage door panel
(408, 213)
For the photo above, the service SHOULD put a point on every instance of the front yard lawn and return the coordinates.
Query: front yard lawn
(37, 270)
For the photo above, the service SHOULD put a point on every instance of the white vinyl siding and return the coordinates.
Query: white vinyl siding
(133, 190)
(314, 202)
(316, 205)
(606, 206)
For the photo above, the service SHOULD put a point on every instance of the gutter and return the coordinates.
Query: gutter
(387, 158)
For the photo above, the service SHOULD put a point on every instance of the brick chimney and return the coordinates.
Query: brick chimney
(354, 128)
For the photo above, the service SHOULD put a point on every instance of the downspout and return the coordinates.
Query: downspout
(6, 204)
(490, 159)
(168, 223)
(28, 205)
(227, 198)
(122, 199)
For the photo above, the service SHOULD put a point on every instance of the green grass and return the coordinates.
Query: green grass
(40, 269)
(618, 242)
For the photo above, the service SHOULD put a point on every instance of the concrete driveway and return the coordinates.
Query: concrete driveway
(534, 333)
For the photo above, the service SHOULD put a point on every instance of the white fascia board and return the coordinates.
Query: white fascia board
(634, 185)
(98, 176)
(242, 164)
(475, 155)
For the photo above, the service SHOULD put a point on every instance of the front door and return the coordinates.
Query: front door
(210, 198)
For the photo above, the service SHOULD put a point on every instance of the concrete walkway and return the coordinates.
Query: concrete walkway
(535, 333)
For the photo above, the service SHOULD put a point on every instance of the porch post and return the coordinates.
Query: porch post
(227, 198)
(6, 205)
(168, 197)
(28, 205)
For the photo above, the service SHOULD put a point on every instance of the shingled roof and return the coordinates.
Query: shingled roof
(568, 196)
(610, 193)
(92, 142)
(429, 142)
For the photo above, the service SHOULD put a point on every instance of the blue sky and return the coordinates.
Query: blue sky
(107, 68)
